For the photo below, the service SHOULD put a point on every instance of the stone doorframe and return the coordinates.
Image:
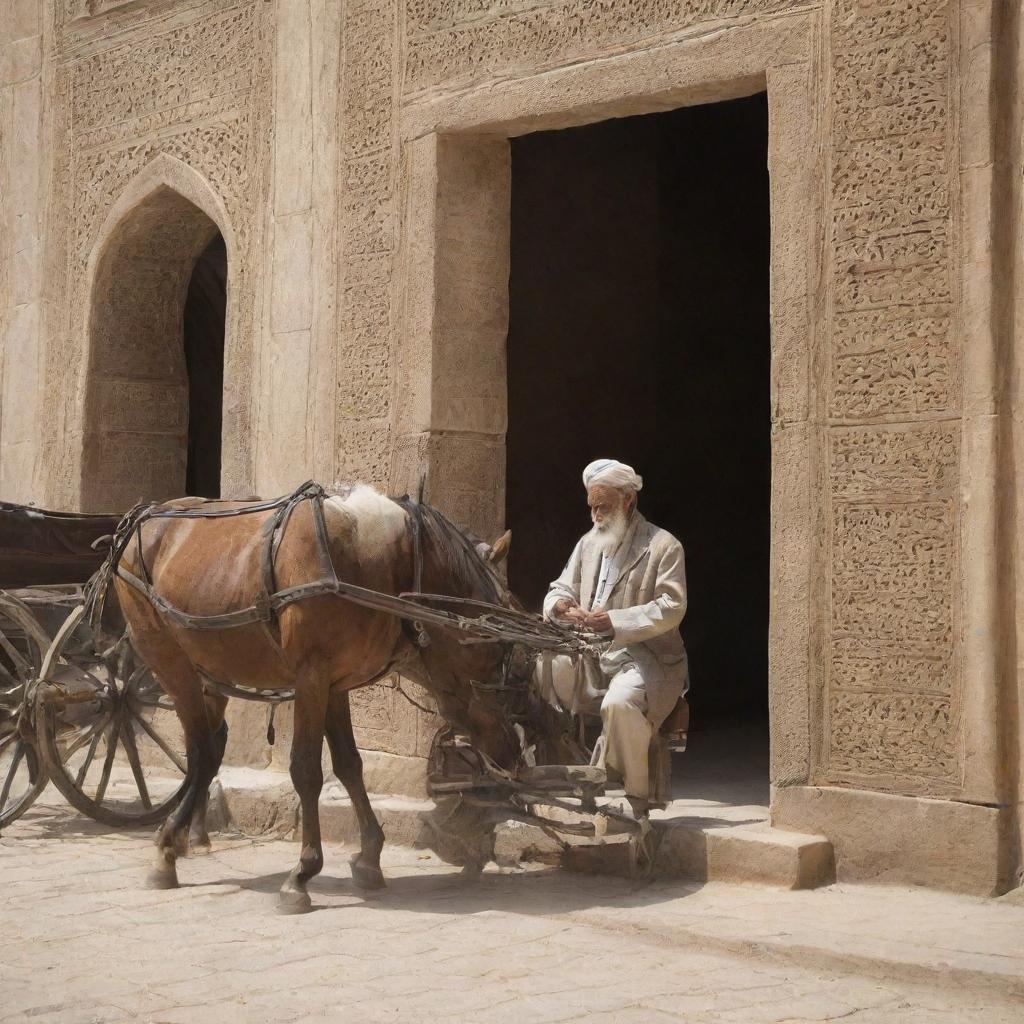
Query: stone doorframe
(452, 297)
(134, 410)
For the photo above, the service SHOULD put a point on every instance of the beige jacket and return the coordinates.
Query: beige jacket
(646, 604)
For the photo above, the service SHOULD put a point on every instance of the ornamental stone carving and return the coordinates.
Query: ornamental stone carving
(196, 89)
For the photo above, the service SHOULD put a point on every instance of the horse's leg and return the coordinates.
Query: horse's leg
(308, 779)
(201, 751)
(348, 766)
(198, 837)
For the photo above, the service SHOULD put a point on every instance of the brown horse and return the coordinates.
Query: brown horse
(321, 646)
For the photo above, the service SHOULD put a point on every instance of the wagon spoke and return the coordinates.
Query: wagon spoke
(108, 761)
(15, 682)
(82, 739)
(144, 689)
(19, 753)
(128, 738)
(97, 735)
(15, 655)
(159, 741)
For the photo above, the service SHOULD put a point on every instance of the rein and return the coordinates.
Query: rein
(492, 624)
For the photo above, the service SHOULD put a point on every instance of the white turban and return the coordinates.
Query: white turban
(610, 473)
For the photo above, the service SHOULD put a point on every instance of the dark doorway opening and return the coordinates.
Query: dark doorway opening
(204, 315)
(640, 330)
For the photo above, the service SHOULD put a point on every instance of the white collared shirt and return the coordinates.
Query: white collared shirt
(604, 583)
(611, 569)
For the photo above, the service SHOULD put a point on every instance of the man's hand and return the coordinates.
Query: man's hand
(599, 622)
(568, 610)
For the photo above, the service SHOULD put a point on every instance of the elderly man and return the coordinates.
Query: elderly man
(626, 579)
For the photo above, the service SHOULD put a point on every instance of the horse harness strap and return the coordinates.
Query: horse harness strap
(414, 608)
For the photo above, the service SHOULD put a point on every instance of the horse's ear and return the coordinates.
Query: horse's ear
(499, 549)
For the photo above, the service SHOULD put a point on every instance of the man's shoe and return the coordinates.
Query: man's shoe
(633, 807)
(639, 805)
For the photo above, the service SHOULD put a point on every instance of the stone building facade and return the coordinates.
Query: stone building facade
(354, 155)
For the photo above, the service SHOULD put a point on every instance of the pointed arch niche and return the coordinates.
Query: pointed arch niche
(159, 281)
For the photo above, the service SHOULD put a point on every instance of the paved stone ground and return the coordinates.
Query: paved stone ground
(83, 942)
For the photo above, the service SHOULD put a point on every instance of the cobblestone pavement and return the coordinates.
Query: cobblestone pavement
(84, 942)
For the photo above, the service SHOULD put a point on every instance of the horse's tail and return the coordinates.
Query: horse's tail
(98, 586)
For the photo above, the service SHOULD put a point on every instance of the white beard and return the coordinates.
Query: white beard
(608, 535)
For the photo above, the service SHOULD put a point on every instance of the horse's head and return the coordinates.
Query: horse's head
(482, 688)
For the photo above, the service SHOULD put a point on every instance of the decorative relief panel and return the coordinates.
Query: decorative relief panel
(451, 43)
(903, 735)
(383, 718)
(367, 225)
(891, 177)
(199, 91)
(892, 570)
(893, 687)
(208, 58)
(893, 667)
(893, 663)
(894, 460)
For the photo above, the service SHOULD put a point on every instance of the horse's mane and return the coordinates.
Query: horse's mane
(457, 552)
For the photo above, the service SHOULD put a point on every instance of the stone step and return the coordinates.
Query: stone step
(736, 853)
(258, 802)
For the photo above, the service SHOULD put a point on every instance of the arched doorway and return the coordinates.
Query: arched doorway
(205, 306)
(156, 356)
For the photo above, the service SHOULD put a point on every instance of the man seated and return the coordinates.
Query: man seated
(625, 578)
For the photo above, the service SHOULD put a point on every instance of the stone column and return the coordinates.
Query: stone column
(451, 410)
(21, 168)
(296, 391)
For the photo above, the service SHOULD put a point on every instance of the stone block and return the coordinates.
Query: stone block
(401, 818)
(247, 734)
(741, 853)
(771, 856)
(395, 773)
(258, 802)
(898, 840)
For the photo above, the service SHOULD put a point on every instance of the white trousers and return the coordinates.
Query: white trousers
(626, 730)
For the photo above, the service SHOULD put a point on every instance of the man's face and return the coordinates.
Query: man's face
(608, 505)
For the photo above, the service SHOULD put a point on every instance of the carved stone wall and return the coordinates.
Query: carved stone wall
(196, 87)
(892, 710)
(130, 80)
(886, 393)
(460, 42)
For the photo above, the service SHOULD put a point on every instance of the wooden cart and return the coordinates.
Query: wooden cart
(76, 706)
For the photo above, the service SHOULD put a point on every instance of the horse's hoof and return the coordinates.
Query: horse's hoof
(162, 879)
(293, 901)
(366, 876)
(199, 847)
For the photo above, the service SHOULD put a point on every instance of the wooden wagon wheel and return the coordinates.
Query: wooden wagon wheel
(107, 732)
(23, 644)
